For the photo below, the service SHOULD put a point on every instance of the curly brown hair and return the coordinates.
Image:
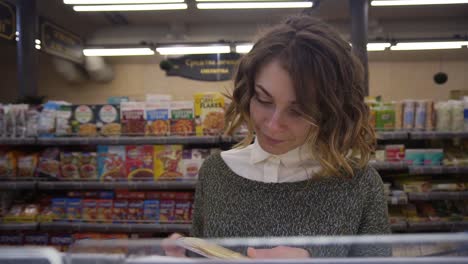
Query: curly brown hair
(329, 85)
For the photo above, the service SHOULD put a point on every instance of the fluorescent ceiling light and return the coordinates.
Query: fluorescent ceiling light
(118, 52)
(95, 8)
(244, 48)
(377, 46)
(254, 5)
(38, 47)
(416, 2)
(429, 45)
(38, 42)
(116, 2)
(181, 50)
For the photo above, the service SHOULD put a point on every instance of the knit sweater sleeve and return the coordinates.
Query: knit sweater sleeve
(197, 218)
(374, 218)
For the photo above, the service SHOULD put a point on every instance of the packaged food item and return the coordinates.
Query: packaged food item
(63, 127)
(417, 186)
(167, 207)
(156, 98)
(135, 211)
(151, 211)
(433, 156)
(61, 241)
(182, 118)
(421, 115)
(120, 211)
(90, 210)
(430, 116)
(105, 208)
(88, 166)
(133, 118)
(84, 120)
(108, 120)
(457, 122)
(8, 164)
(36, 239)
(46, 127)
(414, 156)
(209, 113)
(443, 116)
(20, 116)
(13, 215)
(157, 119)
(182, 207)
(32, 122)
(109, 195)
(10, 121)
(111, 163)
(2, 120)
(70, 165)
(385, 117)
(192, 159)
(398, 106)
(139, 163)
(395, 153)
(59, 208)
(11, 239)
(168, 162)
(117, 100)
(408, 114)
(74, 209)
(27, 163)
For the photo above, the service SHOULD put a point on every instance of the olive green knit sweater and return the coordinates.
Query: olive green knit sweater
(228, 205)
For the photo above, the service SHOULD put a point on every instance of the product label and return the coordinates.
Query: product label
(83, 114)
(108, 114)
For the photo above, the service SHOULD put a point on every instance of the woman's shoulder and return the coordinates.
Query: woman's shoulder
(369, 177)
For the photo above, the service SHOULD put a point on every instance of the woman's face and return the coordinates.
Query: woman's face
(274, 111)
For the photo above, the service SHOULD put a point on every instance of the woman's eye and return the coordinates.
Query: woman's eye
(262, 101)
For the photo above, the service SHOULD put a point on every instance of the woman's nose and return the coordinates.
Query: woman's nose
(276, 121)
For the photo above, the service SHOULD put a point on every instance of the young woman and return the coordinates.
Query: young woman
(300, 92)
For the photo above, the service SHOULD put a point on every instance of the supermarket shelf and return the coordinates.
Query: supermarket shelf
(161, 185)
(19, 227)
(399, 227)
(395, 200)
(437, 196)
(389, 135)
(17, 185)
(111, 227)
(17, 141)
(385, 165)
(437, 135)
(66, 141)
(419, 170)
(437, 226)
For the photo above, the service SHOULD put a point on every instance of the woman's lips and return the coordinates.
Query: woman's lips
(273, 141)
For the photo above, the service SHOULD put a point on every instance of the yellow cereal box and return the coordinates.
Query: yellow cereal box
(168, 162)
(209, 113)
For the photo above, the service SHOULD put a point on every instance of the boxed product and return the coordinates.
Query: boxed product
(120, 211)
(433, 156)
(167, 207)
(192, 159)
(63, 117)
(70, 165)
(135, 211)
(46, 125)
(46, 215)
(108, 120)
(133, 118)
(61, 241)
(394, 153)
(111, 163)
(88, 166)
(168, 162)
(84, 120)
(157, 118)
(90, 210)
(36, 239)
(139, 163)
(13, 215)
(32, 122)
(2, 120)
(151, 211)
(104, 211)
(209, 113)
(417, 186)
(8, 164)
(11, 239)
(59, 208)
(385, 117)
(49, 165)
(182, 118)
(74, 209)
(27, 165)
(415, 156)
(29, 214)
(182, 207)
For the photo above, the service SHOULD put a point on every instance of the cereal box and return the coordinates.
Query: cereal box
(26, 165)
(139, 163)
(84, 120)
(59, 208)
(151, 211)
(133, 118)
(89, 210)
(108, 120)
(182, 207)
(167, 207)
(88, 166)
(168, 162)
(209, 113)
(157, 119)
(105, 208)
(135, 211)
(74, 209)
(70, 165)
(182, 120)
(8, 165)
(36, 239)
(108, 195)
(120, 211)
(111, 163)
(192, 159)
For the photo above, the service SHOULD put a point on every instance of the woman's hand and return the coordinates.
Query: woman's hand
(280, 252)
(172, 250)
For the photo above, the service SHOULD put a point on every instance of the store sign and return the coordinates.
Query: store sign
(59, 42)
(206, 67)
(7, 21)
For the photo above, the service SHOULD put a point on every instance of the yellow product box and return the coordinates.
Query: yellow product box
(168, 162)
(209, 113)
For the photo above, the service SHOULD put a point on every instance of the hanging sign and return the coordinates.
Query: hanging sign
(204, 67)
(60, 42)
(7, 21)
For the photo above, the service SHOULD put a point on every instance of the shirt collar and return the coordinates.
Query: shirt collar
(289, 159)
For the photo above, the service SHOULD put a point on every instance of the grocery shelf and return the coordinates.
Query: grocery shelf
(395, 200)
(123, 140)
(77, 185)
(419, 170)
(436, 135)
(17, 141)
(17, 185)
(18, 226)
(399, 227)
(386, 165)
(392, 135)
(112, 227)
(437, 226)
(437, 196)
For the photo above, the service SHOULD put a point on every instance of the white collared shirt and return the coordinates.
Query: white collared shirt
(254, 163)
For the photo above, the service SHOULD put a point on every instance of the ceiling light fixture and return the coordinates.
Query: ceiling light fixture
(255, 5)
(97, 8)
(244, 48)
(38, 47)
(182, 50)
(429, 45)
(118, 52)
(415, 2)
(377, 46)
(117, 2)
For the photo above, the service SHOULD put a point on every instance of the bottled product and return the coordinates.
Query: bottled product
(443, 116)
(456, 123)
(408, 114)
(420, 116)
